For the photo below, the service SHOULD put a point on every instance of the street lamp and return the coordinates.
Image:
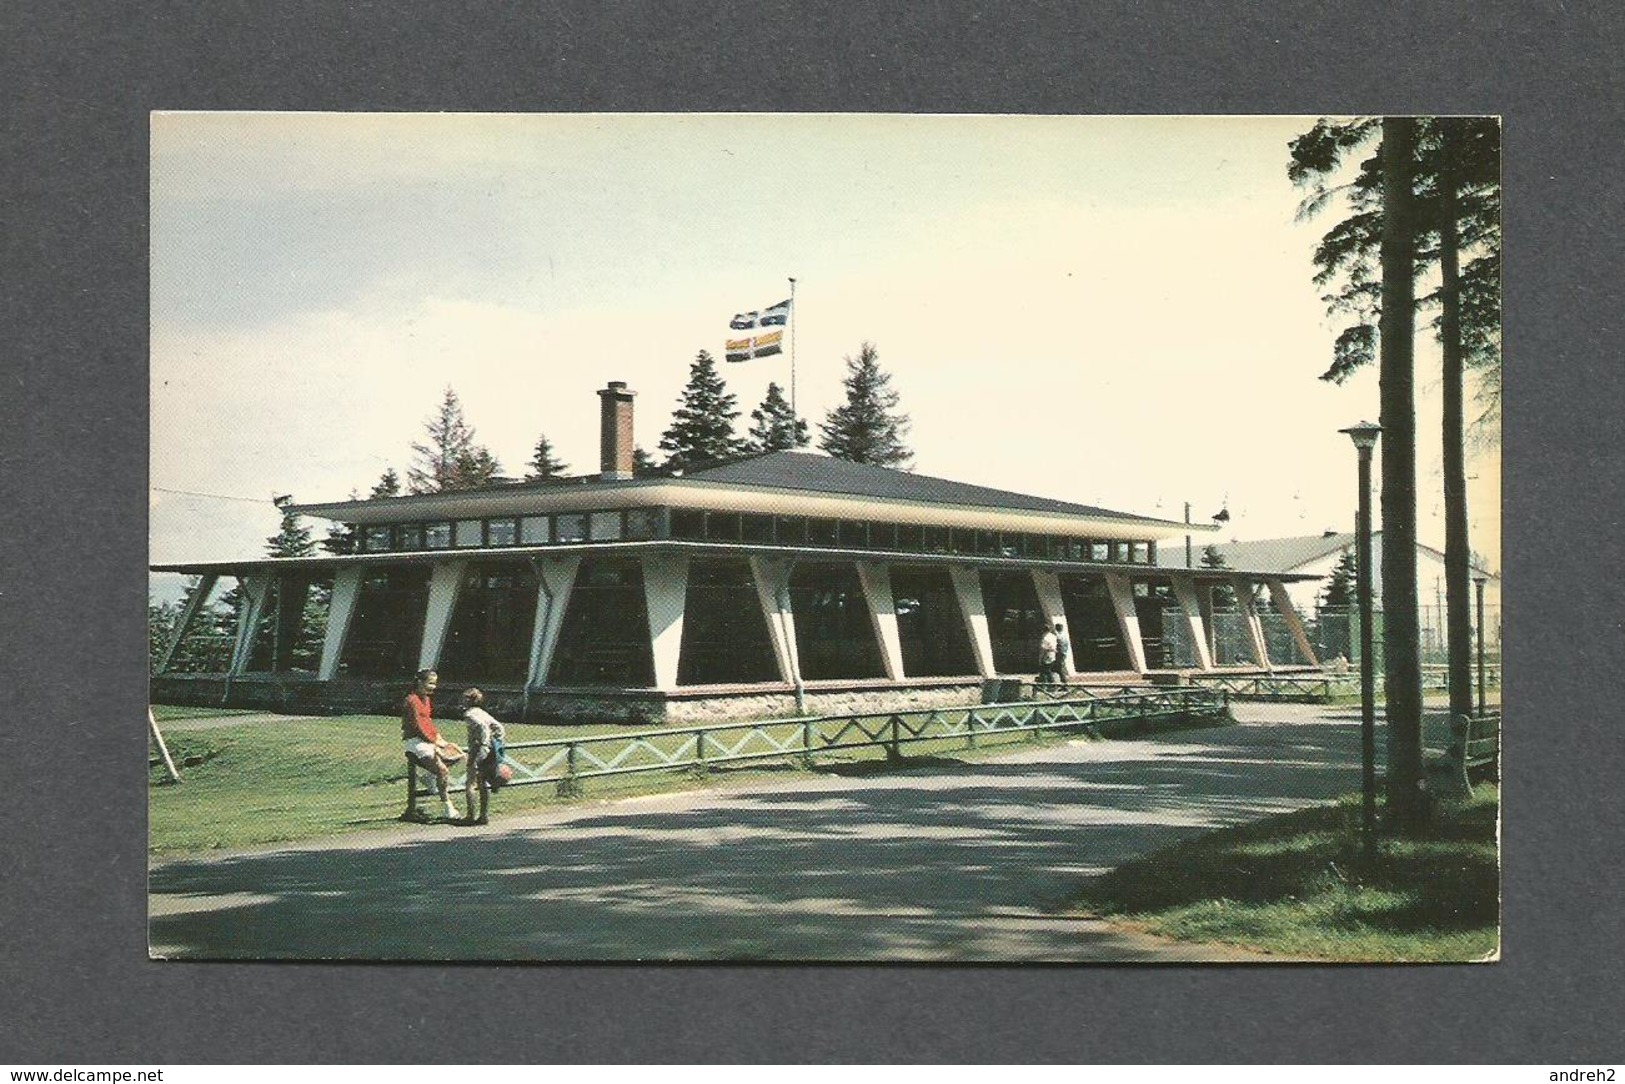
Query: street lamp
(1364, 437)
(1479, 581)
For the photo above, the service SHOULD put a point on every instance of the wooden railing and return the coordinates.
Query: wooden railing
(567, 761)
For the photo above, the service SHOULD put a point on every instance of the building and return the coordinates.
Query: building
(772, 585)
(1316, 556)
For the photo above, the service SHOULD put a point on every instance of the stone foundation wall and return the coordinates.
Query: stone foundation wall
(303, 695)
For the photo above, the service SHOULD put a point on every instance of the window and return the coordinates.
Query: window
(1100, 551)
(409, 536)
(470, 534)
(910, 537)
(853, 533)
(791, 530)
(935, 540)
(376, 539)
(821, 532)
(642, 523)
(606, 526)
(533, 530)
(987, 543)
(570, 527)
(501, 532)
(1119, 551)
(883, 536)
(687, 525)
(437, 536)
(756, 529)
(722, 526)
(600, 641)
(1140, 553)
(725, 636)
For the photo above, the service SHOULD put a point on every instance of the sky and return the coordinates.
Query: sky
(1116, 311)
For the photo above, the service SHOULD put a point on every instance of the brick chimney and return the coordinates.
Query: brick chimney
(615, 431)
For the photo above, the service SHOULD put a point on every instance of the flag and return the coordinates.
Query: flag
(767, 338)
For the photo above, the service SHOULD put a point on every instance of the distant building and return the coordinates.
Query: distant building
(785, 582)
(1317, 555)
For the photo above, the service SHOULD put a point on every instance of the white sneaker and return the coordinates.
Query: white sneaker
(451, 813)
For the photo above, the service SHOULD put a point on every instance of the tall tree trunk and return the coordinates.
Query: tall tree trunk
(1402, 662)
(1459, 625)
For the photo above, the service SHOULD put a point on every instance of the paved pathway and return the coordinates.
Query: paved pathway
(955, 861)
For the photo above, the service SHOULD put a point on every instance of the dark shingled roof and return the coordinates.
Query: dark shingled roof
(822, 474)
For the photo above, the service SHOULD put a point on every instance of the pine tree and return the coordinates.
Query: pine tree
(702, 427)
(1339, 592)
(544, 463)
(449, 459)
(643, 463)
(292, 538)
(388, 485)
(774, 426)
(868, 428)
(1223, 594)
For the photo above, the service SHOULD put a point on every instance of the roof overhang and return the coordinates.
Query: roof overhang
(700, 495)
(333, 562)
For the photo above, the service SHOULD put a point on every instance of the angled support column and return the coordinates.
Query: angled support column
(340, 615)
(876, 581)
(772, 579)
(256, 590)
(1048, 586)
(1294, 624)
(1255, 628)
(555, 579)
(665, 592)
(194, 606)
(1185, 590)
(445, 584)
(968, 590)
(1128, 621)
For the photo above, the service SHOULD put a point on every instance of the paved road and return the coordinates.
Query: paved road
(955, 861)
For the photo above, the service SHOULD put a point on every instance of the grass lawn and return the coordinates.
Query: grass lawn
(1293, 884)
(301, 778)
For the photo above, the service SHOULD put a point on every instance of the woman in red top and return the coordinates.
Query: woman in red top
(423, 744)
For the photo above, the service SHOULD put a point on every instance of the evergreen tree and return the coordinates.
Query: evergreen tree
(161, 620)
(643, 462)
(449, 458)
(1340, 586)
(292, 538)
(544, 463)
(774, 426)
(702, 427)
(388, 485)
(1223, 594)
(868, 428)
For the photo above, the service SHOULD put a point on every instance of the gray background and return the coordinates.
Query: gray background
(78, 82)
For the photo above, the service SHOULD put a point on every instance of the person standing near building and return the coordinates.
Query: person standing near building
(1063, 649)
(1046, 658)
(423, 744)
(485, 736)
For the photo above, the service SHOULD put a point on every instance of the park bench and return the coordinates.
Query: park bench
(1474, 753)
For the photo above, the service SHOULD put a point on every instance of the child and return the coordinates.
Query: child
(484, 732)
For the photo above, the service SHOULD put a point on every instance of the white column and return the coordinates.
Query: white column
(256, 589)
(1128, 621)
(1294, 624)
(183, 625)
(1249, 619)
(1185, 591)
(665, 591)
(968, 589)
(555, 578)
(772, 580)
(876, 581)
(445, 584)
(340, 613)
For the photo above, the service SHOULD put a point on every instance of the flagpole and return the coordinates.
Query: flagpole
(793, 414)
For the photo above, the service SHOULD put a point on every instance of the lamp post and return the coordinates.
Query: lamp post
(1478, 582)
(1364, 437)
